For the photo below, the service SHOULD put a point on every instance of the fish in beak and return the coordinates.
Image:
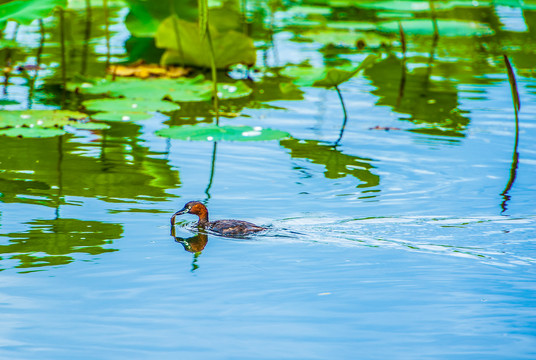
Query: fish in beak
(184, 210)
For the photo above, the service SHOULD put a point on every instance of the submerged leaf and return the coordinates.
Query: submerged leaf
(216, 133)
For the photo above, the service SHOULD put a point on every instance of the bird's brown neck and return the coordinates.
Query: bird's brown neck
(203, 219)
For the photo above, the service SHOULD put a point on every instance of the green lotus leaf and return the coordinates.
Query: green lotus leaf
(128, 104)
(180, 90)
(445, 27)
(202, 132)
(90, 126)
(230, 47)
(324, 77)
(121, 116)
(33, 132)
(26, 11)
(233, 91)
(41, 118)
(145, 16)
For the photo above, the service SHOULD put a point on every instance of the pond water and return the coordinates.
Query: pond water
(413, 237)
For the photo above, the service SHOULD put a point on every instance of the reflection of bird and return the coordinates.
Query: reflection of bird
(192, 244)
(224, 227)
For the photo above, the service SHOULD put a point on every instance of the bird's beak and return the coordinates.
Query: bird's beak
(180, 212)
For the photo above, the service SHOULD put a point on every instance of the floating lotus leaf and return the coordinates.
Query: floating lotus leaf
(34, 132)
(180, 90)
(445, 27)
(233, 91)
(41, 118)
(26, 11)
(204, 132)
(121, 116)
(128, 104)
(90, 126)
(324, 77)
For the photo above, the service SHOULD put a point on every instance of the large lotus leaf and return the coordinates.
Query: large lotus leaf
(230, 47)
(40, 118)
(216, 133)
(145, 16)
(445, 27)
(26, 11)
(34, 132)
(324, 77)
(121, 116)
(181, 90)
(129, 104)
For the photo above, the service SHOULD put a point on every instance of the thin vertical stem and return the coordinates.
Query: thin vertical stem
(209, 185)
(87, 36)
(434, 20)
(107, 31)
(37, 63)
(63, 61)
(60, 175)
(244, 6)
(345, 116)
(175, 19)
(214, 71)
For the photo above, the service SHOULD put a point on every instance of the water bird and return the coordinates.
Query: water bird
(223, 227)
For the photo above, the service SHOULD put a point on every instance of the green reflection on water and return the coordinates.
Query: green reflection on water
(432, 104)
(337, 164)
(53, 242)
(45, 171)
